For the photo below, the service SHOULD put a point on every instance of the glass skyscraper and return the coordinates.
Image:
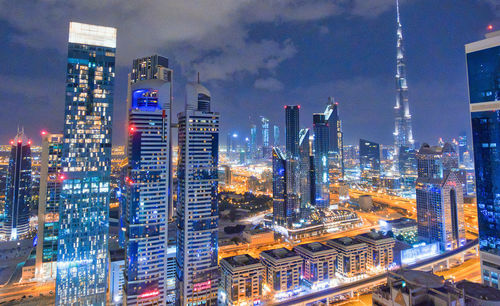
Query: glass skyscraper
(292, 122)
(286, 200)
(148, 182)
(197, 205)
(82, 259)
(321, 165)
(266, 148)
(18, 200)
(369, 158)
(305, 180)
(336, 140)
(48, 206)
(483, 70)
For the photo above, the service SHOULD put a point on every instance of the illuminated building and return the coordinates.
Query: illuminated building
(321, 165)
(266, 149)
(253, 141)
(276, 136)
(318, 262)
(401, 226)
(407, 161)
(82, 261)
(440, 212)
(285, 192)
(351, 256)
(197, 210)
(306, 178)
(282, 269)
(148, 181)
(116, 276)
(380, 249)
(403, 134)
(462, 148)
(369, 158)
(18, 201)
(292, 127)
(483, 58)
(241, 280)
(336, 141)
(48, 205)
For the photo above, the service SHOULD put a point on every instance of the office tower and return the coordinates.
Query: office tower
(483, 59)
(321, 165)
(241, 280)
(148, 186)
(292, 128)
(18, 200)
(305, 181)
(351, 256)
(407, 164)
(281, 269)
(285, 192)
(440, 212)
(266, 149)
(380, 249)
(197, 211)
(369, 158)
(318, 263)
(48, 206)
(462, 148)
(276, 136)
(336, 140)
(82, 260)
(403, 135)
(253, 141)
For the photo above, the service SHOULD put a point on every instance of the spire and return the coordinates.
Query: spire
(397, 12)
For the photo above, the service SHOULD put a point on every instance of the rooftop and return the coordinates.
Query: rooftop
(479, 291)
(315, 247)
(280, 253)
(421, 278)
(241, 260)
(346, 241)
(375, 235)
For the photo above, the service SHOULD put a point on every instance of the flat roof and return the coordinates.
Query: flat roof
(241, 260)
(280, 253)
(374, 235)
(347, 241)
(479, 291)
(315, 247)
(421, 278)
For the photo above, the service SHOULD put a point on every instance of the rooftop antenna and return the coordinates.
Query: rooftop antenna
(198, 77)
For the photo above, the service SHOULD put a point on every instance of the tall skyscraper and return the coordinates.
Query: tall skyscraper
(82, 260)
(369, 158)
(48, 206)
(305, 181)
(403, 135)
(197, 211)
(148, 181)
(276, 136)
(286, 200)
(483, 67)
(266, 149)
(18, 200)
(336, 140)
(440, 211)
(253, 141)
(321, 165)
(462, 147)
(292, 122)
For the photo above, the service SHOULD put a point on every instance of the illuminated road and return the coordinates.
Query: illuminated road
(17, 291)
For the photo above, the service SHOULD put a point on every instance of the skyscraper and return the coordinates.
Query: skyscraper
(321, 165)
(276, 136)
(148, 181)
(266, 149)
(369, 158)
(48, 206)
(336, 140)
(286, 200)
(305, 180)
(292, 128)
(197, 211)
(253, 141)
(440, 212)
(462, 147)
(403, 135)
(18, 200)
(82, 260)
(483, 67)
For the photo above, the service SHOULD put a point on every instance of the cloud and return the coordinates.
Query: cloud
(324, 30)
(270, 84)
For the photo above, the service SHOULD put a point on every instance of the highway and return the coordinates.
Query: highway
(17, 291)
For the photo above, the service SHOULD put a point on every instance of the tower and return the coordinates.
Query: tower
(148, 181)
(403, 135)
(197, 208)
(321, 165)
(292, 122)
(82, 260)
(336, 140)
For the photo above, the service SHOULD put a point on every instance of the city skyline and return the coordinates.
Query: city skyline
(285, 35)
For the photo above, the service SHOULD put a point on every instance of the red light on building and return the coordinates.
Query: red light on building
(12, 142)
(62, 177)
(489, 27)
(298, 106)
(202, 286)
(19, 141)
(43, 133)
(149, 294)
(29, 142)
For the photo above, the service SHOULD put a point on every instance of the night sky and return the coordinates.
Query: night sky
(255, 57)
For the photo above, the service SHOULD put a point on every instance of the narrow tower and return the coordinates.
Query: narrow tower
(403, 136)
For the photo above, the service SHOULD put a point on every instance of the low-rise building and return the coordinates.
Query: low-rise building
(282, 269)
(351, 256)
(380, 249)
(241, 280)
(401, 226)
(318, 264)
(259, 236)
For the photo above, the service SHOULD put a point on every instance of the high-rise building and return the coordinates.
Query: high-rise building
(266, 149)
(292, 127)
(336, 140)
(286, 200)
(462, 148)
(48, 206)
(253, 141)
(197, 208)
(351, 256)
(403, 134)
(82, 261)
(319, 262)
(321, 165)
(483, 67)
(148, 187)
(305, 180)
(18, 199)
(276, 136)
(369, 158)
(440, 212)
(281, 269)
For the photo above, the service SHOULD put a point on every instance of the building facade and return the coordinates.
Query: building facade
(483, 59)
(292, 128)
(282, 269)
(318, 266)
(197, 207)
(369, 158)
(351, 257)
(321, 164)
(82, 260)
(48, 206)
(336, 141)
(380, 249)
(306, 179)
(286, 198)
(18, 198)
(148, 181)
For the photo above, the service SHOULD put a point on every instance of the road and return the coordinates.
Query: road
(17, 291)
